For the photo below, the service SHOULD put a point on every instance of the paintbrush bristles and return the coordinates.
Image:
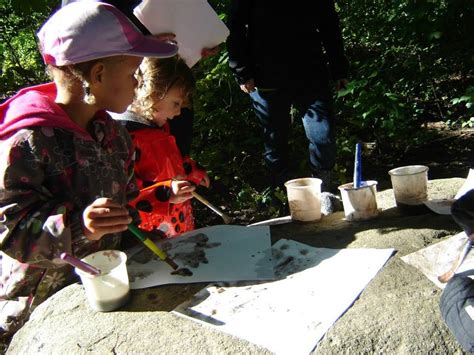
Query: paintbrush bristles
(446, 277)
(457, 263)
(171, 263)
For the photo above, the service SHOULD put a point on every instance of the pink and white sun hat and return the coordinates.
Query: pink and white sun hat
(88, 30)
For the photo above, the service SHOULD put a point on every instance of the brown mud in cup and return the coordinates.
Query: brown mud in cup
(410, 188)
(304, 199)
(359, 203)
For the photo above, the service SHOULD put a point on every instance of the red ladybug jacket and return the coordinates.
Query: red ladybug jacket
(157, 161)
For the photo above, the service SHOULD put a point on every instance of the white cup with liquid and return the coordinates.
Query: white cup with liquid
(110, 289)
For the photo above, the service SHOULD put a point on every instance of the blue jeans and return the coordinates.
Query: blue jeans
(272, 108)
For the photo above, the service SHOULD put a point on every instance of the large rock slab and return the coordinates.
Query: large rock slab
(397, 313)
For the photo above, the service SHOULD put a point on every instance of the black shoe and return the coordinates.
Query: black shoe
(326, 176)
(278, 179)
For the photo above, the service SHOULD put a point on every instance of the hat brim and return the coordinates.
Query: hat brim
(153, 47)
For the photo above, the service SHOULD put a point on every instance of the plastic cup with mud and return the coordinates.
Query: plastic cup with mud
(359, 203)
(304, 199)
(410, 188)
(110, 289)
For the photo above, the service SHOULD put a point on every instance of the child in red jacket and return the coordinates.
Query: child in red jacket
(165, 178)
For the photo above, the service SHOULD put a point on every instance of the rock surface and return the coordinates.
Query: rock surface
(397, 312)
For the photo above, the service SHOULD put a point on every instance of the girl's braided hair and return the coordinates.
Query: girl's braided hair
(156, 77)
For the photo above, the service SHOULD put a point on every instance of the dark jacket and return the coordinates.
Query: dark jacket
(279, 43)
(51, 170)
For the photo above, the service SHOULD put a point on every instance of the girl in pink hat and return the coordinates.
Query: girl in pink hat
(66, 167)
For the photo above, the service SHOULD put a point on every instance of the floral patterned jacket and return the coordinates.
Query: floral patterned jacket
(50, 170)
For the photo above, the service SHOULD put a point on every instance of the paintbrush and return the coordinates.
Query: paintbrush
(81, 265)
(152, 246)
(227, 219)
(358, 166)
(462, 255)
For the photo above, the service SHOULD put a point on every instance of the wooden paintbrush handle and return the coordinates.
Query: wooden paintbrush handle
(457, 263)
(201, 199)
(207, 203)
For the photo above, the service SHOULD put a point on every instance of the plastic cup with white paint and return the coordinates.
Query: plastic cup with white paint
(110, 289)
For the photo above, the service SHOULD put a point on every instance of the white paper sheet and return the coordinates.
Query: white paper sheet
(443, 206)
(315, 286)
(468, 184)
(440, 206)
(217, 253)
(194, 22)
(438, 258)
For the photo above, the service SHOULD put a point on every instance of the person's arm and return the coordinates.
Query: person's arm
(195, 172)
(329, 29)
(238, 41)
(38, 225)
(463, 212)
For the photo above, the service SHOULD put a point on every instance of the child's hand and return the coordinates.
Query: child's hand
(207, 52)
(104, 216)
(181, 191)
(248, 86)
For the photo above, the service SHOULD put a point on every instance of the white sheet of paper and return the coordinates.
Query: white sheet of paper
(440, 206)
(314, 287)
(194, 22)
(468, 184)
(217, 253)
(438, 258)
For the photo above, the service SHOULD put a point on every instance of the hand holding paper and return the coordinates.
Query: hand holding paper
(195, 24)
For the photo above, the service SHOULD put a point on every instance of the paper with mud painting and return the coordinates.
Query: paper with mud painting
(217, 253)
(313, 288)
(438, 258)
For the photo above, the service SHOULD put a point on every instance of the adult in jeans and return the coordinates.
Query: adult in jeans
(285, 54)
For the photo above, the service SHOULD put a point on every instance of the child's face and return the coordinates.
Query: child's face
(168, 107)
(118, 83)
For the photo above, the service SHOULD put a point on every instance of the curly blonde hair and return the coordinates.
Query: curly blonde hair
(156, 77)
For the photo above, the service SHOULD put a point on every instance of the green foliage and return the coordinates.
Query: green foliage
(411, 63)
(467, 100)
(409, 58)
(19, 55)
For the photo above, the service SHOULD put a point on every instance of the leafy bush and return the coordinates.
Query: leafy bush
(411, 63)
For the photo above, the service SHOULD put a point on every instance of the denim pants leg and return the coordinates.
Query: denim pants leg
(318, 121)
(272, 108)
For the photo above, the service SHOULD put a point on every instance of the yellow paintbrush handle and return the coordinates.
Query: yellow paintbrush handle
(155, 249)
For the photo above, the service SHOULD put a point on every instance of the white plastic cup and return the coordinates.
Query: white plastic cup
(410, 186)
(359, 203)
(304, 199)
(110, 289)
